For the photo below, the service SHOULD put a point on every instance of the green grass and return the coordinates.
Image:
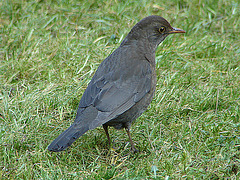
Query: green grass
(49, 51)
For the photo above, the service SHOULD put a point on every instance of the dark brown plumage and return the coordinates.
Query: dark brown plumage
(123, 85)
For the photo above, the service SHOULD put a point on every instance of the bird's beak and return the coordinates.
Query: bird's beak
(176, 30)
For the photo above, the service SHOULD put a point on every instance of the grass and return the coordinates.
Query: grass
(49, 51)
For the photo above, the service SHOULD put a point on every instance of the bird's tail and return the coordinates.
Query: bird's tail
(67, 137)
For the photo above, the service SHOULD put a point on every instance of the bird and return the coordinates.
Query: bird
(123, 85)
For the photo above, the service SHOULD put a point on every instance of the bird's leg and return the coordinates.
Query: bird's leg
(105, 127)
(131, 141)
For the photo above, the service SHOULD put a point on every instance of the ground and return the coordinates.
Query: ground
(49, 51)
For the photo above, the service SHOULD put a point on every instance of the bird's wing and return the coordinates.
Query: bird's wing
(116, 92)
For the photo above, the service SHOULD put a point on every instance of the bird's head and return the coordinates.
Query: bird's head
(151, 31)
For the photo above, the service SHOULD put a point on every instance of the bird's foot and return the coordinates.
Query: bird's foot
(134, 150)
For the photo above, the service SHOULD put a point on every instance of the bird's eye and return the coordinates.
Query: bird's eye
(161, 29)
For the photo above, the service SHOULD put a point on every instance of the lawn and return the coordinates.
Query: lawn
(49, 51)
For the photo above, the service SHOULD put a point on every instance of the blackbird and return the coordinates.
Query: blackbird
(123, 86)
